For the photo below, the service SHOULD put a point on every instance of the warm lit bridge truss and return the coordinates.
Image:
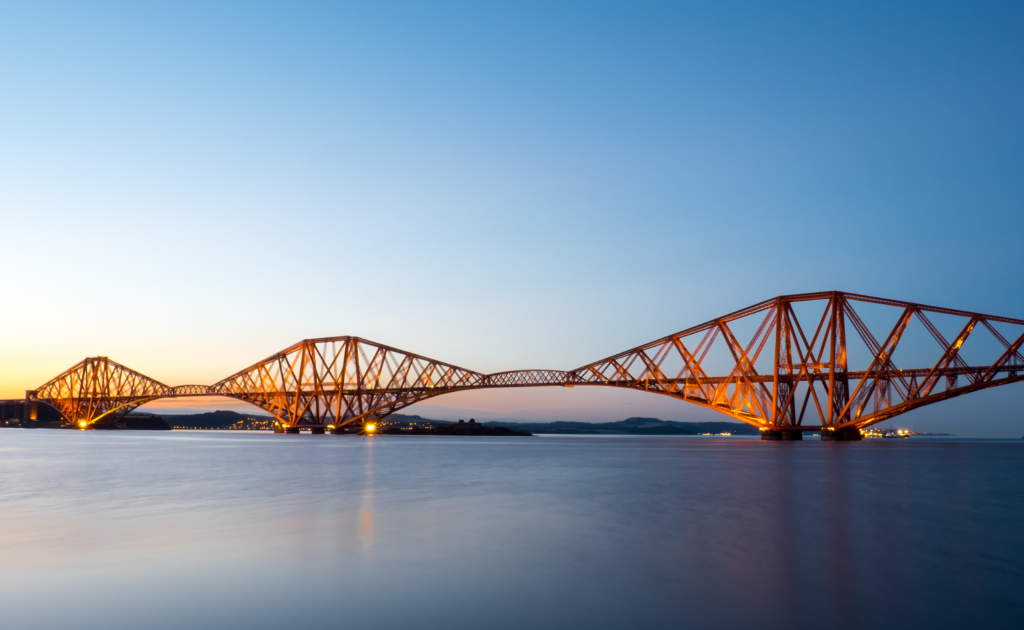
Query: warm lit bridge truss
(831, 362)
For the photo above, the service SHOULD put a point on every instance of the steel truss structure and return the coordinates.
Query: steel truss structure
(96, 388)
(795, 376)
(336, 380)
(808, 362)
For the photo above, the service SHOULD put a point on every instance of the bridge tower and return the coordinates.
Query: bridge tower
(31, 411)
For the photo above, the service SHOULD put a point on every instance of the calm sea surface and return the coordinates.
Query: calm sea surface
(223, 530)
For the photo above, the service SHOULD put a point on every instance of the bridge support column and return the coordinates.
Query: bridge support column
(294, 430)
(318, 430)
(846, 435)
(31, 411)
(782, 435)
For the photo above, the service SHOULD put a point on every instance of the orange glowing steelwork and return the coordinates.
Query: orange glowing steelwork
(784, 372)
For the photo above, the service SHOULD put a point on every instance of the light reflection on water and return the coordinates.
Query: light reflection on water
(234, 530)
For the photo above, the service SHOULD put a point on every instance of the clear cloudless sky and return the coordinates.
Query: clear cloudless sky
(189, 187)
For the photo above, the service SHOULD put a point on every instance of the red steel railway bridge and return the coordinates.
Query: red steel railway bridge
(830, 362)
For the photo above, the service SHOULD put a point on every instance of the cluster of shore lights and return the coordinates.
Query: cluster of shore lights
(877, 433)
(370, 428)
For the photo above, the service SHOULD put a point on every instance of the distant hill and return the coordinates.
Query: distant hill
(140, 423)
(221, 419)
(630, 426)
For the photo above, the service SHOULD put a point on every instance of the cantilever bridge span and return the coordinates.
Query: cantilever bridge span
(831, 362)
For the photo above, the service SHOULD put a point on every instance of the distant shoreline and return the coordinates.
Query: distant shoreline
(402, 424)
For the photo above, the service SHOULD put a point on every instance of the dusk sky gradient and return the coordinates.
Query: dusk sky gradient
(190, 187)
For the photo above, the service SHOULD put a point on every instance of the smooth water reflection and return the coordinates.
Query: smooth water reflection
(235, 530)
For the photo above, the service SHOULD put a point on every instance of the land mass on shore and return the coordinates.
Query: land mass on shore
(415, 424)
(402, 424)
(634, 426)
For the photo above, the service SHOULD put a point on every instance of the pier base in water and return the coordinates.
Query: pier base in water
(782, 435)
(294, 430)
(318, 430)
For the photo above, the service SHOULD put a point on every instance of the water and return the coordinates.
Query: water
(242, 530)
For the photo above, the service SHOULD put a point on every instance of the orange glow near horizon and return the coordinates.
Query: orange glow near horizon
(201, 404)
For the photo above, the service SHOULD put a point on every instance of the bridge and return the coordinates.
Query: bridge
(830, 362)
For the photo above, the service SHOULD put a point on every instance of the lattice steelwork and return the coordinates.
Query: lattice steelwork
(531, 378)
(805, 382)
(813, 361)
(98, 389)
(337, 380)
(190, 390)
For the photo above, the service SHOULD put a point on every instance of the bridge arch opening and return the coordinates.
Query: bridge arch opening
(207, 412)
(200, 404)
(551, 404)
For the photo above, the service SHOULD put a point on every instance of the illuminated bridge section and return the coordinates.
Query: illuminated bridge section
(811, 362)
(831, 362)
(337, 380)
(190, 390)
(531, 378)
(94, 389)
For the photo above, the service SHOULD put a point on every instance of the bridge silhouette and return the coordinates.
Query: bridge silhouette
(787, 365)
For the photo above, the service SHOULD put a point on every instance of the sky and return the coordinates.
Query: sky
(190, 187)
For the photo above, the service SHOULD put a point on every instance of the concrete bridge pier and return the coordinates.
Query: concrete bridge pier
(292, 430)
(318, 430)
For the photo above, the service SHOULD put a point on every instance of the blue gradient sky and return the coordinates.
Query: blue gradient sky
(189, 187)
